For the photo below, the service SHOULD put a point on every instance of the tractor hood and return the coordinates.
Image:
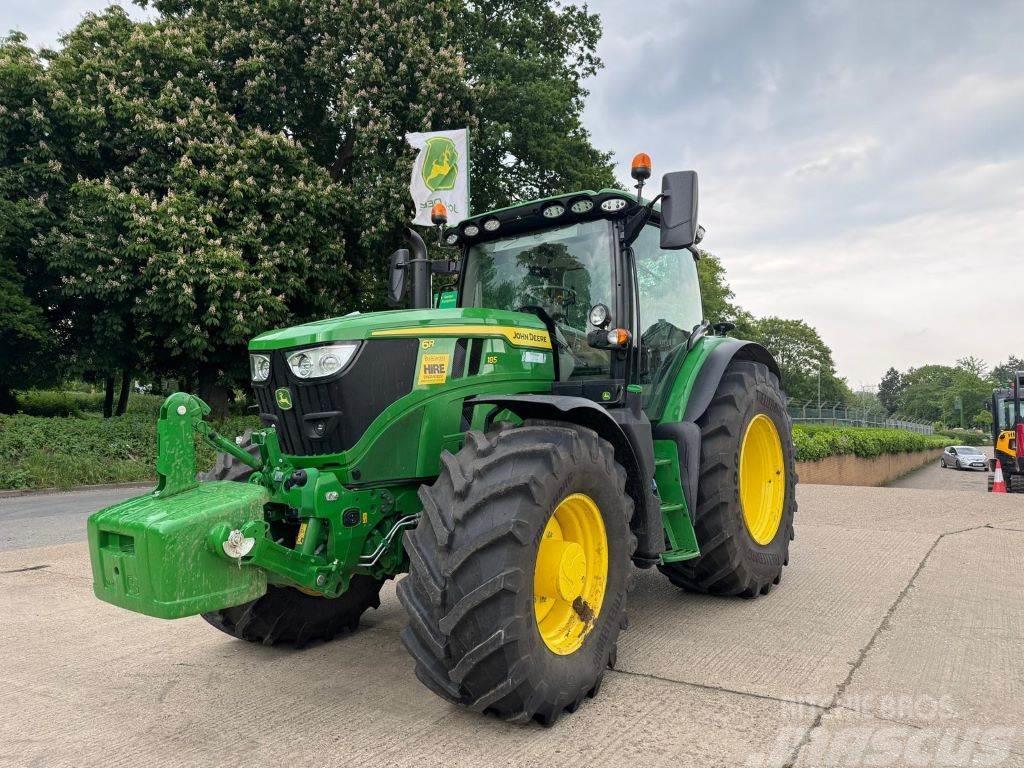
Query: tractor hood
(412, 370)
(519, 328)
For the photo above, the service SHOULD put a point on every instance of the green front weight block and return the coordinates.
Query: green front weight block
(154, 555)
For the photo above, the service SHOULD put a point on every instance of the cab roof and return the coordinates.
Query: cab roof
(545, 212)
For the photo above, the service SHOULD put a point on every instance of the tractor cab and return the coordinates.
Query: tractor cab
(613, 279)
(1008, 431)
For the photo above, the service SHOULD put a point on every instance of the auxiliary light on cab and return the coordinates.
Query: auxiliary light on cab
(619, 337)
(613, 204)
(640, 169)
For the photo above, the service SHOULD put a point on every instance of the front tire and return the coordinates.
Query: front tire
(746, 497)
(284, 614)
(519, 569)
(942, 463)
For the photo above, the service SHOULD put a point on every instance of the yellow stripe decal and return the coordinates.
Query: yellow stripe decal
(517, 337)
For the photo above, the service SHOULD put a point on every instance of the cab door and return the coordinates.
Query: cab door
(669, 308)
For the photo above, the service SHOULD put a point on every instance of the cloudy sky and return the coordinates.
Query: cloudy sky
(861, 162)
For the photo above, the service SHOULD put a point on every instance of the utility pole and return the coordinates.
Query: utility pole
(819, 388)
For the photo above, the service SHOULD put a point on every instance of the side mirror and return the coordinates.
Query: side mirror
(678, 210)
(396, 277)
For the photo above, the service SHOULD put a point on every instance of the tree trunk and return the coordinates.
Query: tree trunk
(213, 392)
(126, 389)
(8, 402)
(108, 397)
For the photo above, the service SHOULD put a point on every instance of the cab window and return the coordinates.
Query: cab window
(669, 305)
(563, 271)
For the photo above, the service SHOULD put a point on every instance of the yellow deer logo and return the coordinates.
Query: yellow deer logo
(441, 158)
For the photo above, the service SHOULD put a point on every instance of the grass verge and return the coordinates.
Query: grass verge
(38, 452)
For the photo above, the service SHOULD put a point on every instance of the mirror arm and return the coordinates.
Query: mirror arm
(445, 266)
(635, 223)
(698, 332)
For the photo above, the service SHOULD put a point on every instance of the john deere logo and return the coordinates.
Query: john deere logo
(440, 164)
(284, 398)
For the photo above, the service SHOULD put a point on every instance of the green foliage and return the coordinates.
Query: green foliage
(972, 364)
(55, 403)
(182, 214)
(814, 443)
(29, 174)
(526, 59)
(797, 346)
(982, 419)
(965, 437)
(62, 453)
(932, 392)
(890, 389)
(170, 188)
(1002, 374)
(800, 350)
(24, 336)
(715, 293)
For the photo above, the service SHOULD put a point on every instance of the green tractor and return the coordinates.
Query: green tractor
(571, 417)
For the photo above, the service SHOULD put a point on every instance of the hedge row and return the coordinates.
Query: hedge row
(814, 442)
(965, 437)
(37, 452)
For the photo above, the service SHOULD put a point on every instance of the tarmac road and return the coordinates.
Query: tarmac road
(935, 477)
(895, 638)
(42, 519)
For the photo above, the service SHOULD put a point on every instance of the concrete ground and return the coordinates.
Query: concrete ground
(895, 638)
(934, 476)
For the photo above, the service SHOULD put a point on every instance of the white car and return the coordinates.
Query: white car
(964, 457)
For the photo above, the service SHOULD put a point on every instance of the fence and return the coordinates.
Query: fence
(840, 414)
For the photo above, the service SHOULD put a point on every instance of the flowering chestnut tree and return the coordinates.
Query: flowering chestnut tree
(238, 165)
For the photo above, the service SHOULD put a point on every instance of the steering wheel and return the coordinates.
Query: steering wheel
(559, 295)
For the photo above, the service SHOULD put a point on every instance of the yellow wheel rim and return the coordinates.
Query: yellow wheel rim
(762, 479)
(571, 574)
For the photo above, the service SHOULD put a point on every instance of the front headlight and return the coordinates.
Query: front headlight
(317, 362)
(259, 365)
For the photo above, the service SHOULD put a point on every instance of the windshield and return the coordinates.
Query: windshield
(1005, 417)
(562, 271)
(968, 450)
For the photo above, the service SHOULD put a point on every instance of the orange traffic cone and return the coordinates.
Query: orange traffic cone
(998, 484)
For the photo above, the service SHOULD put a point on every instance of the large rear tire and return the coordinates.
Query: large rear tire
(743, 518)
(519, 569)
(284, 614)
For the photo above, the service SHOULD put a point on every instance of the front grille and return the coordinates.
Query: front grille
(344, 404)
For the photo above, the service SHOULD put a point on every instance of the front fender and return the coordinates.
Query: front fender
(630, 436)
(711, 372)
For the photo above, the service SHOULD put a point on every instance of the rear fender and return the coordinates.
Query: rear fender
(685, 432)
